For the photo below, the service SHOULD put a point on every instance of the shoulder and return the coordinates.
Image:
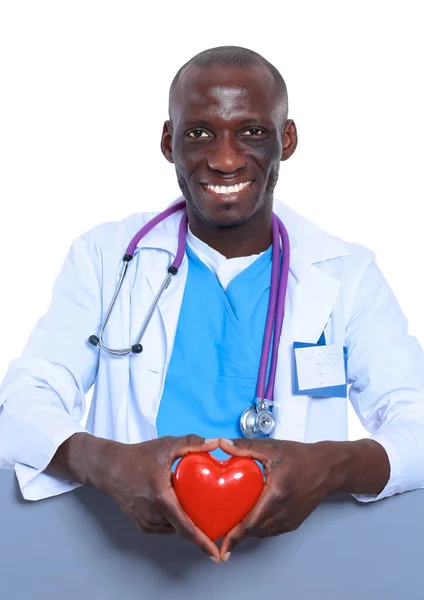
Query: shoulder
(114, 235)
(316, 245)
(101, 248)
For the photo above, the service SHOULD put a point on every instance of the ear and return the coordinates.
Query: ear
(289, 139)
(166, 141)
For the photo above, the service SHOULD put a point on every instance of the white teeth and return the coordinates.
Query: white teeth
(228, 189)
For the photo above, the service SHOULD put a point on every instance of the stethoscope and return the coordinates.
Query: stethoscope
(257, 421)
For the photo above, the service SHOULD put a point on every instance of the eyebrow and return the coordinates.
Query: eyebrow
(256, 121)
(197, 123)
(207, 124)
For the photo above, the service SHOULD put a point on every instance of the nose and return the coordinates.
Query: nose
(226, 155)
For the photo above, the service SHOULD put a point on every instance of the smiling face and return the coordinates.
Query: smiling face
(227, 136)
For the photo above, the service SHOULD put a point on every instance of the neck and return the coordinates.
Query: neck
(251, 237)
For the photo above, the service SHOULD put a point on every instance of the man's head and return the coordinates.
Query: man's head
(228, 127)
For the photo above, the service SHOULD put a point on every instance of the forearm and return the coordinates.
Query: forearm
(359, 467)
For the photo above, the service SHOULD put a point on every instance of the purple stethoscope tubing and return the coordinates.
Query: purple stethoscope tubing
(275, 314)
(128, 256)
(276, 304)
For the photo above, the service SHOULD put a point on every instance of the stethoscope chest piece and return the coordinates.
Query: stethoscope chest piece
(256, 422)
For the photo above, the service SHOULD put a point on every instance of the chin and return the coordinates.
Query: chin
(224, 215)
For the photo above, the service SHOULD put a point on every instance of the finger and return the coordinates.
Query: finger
(189, 531)
(250, 526)
(230, 541)
(147, 528)
(164, 529)
(159, 525)
(153, 523)
(265, 509)
(275, 525)
(257, 449)
(183, 525)
(193, 443)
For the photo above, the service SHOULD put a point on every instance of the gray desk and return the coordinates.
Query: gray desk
(79, 545)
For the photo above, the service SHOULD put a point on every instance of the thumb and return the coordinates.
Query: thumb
(256, 449)
(193, 443)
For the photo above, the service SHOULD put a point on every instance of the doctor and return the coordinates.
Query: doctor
(227, 127)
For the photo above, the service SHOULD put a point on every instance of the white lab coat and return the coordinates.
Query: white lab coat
(333, 286)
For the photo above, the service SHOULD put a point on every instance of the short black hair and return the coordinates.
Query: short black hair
(231, 56)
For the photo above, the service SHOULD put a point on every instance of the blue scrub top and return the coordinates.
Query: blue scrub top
(214, 366)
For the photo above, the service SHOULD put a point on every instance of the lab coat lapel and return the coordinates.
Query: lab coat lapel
(311, 296)
(313, 299)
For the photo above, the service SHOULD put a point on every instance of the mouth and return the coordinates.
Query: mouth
(225, 191)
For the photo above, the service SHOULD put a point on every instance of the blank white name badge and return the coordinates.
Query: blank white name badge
(320, 370)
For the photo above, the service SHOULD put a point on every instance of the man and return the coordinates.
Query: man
(227, 133)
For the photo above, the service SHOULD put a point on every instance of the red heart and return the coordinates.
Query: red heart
(217, 494)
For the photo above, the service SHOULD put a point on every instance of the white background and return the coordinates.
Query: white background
(84, 95)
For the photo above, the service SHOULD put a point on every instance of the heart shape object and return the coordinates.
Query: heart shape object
(217, 494)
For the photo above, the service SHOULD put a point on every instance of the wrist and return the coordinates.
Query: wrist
(358, 467)
(335, 457)
(97, 458)
(81, 457)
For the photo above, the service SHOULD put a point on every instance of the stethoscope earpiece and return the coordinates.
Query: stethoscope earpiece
(137, 348)
(94, 340)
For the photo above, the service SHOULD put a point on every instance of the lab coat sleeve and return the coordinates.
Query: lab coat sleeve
(386, 372)
(42, 397)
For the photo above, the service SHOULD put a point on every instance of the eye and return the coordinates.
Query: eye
(254, 132)
(197, 134)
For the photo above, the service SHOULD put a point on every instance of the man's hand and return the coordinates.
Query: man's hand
(138, 478)
(139, 481)
(299, 476)
(297, 479)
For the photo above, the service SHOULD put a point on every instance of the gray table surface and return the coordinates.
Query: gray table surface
(80, 545)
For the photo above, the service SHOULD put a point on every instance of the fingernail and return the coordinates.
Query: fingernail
(227, 556)
(210, 440)
(229, 442)
(216, 560)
